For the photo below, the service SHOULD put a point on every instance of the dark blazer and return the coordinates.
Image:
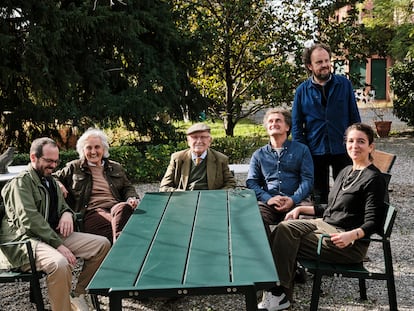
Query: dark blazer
(178, 171)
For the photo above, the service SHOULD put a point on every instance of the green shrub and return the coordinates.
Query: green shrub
(129, 157)
(154, 163)
(67, 156)
(239, 148)
(64, 156)
(148, 163)
(402, 83)
(21, 159)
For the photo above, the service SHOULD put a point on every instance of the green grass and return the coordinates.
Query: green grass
(243, 128)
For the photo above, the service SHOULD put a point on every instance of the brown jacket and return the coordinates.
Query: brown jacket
(178, 171)
(77, 179)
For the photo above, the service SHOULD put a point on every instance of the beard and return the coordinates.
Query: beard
(322, 76)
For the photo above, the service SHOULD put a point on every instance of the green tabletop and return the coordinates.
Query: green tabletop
(189, 243)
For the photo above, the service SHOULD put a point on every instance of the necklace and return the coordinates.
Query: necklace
(344, 188)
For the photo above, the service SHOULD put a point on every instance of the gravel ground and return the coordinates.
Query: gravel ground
(339, 294)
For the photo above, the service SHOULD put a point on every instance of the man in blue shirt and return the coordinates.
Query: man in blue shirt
(281, 172)
(323, 108)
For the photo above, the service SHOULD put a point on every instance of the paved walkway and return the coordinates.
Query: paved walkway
(368, 116)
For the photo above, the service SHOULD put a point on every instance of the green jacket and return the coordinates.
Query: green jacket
(26, 203)
(77, 179)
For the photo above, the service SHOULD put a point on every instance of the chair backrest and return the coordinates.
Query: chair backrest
(387, 183)
(389, 220)
(383, 160)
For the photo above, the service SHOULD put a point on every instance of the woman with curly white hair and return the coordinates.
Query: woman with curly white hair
(97, 187)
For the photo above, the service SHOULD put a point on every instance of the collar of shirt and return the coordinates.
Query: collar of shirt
(326, 82)
(203, 155)
(93, 164)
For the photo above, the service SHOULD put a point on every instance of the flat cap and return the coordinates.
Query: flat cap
(198, 127)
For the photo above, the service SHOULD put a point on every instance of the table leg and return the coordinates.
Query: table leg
(115, 302)
(250, 298)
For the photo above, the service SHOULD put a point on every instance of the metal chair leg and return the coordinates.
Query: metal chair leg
(36, 295)
(363, 289)
(316, 289)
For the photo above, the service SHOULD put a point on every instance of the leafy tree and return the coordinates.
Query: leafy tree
(346, 37)
(390, 21)
(244, 63)
(87, 63)
(389, 24)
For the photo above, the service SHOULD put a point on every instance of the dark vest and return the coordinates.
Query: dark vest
(198, 176)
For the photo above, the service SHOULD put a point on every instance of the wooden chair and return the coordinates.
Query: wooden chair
(33, 276)
(383, 160)
(320, 269)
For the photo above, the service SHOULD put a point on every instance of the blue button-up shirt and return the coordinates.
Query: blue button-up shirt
(290, 174)
(322, 128)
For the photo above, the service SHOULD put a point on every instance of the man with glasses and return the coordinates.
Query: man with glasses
(199, 167)
(36, 211)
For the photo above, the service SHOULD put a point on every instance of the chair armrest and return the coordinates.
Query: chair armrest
(29, 251)
(373, 239)
(14, 243)
(323, 236)
(327, 236)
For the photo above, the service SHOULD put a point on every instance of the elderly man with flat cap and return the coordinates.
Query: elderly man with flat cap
(198, 167)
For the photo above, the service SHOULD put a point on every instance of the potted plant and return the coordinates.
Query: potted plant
(367, 97)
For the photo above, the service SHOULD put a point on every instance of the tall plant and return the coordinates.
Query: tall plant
(402, 84)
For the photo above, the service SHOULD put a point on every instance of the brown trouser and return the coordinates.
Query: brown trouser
(108, 222)
(91, 248)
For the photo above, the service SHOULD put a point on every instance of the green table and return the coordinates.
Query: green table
(189, 243)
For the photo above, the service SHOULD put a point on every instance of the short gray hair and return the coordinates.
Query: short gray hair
(286, 114)
(92, 132)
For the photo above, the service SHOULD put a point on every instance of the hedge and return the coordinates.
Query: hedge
(148, 163)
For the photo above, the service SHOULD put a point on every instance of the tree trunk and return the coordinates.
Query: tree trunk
(229, 125)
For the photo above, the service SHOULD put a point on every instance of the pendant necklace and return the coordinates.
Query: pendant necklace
(344, 188)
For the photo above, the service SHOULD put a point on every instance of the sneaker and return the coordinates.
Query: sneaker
(79, 303)
(272, 303)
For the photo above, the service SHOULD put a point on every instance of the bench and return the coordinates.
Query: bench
(357, 270)
(239, 168)
(13, 170)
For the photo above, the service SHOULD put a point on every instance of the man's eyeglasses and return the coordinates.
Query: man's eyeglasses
(50, 161)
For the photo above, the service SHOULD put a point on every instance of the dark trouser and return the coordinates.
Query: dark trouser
(108, 222)
(299, 239)
(321, 165)
(271, 216)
